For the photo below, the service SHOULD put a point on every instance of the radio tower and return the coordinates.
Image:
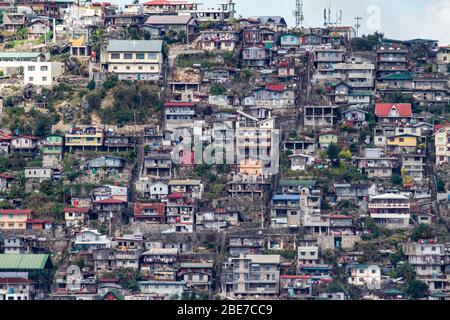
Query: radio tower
(357, 25)
(298, 14)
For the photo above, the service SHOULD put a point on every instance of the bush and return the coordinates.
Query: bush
(396, 179)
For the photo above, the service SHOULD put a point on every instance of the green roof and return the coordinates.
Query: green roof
(24, 261)
(360, 93)
(393, 292)
(19, 55)
(297, 183)
(399, 76)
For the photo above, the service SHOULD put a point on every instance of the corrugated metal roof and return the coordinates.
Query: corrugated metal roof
(286, 197)
(23, 261)
(297, 183)
(135, 46)
(19, 55)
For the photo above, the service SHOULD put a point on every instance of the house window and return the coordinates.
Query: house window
(140, 68)
(140, 56)
(115, 68)
(128, 56)
(31, 68)
(44, 78)
(152, 56)
(44, 68)
(115, 56)
(30, 79)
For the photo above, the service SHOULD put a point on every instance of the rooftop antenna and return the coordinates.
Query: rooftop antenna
(298, 14)
(357, 25)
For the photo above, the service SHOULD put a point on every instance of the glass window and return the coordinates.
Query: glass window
(44, 68)
(152, 55)
(128, 56)
(140, 56)
(115, 56)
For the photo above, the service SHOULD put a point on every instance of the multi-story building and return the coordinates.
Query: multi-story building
(76, 217)
(413, 165)
(391, 60)
(376, 164)
(285, 211)
(180, 212)
(14, 219)
(84, 138)
(158, 165)
(429, 88)
(326, 57)
(134, 59)
(223, 40)
(363, 275)
(251, 275)
(393, 112)
(429, 260)
(160, 264)
(442, 144)
(53, 150)
(179, 114)
(16, 288)
(320, 116)
(390, 210)
(255, 57)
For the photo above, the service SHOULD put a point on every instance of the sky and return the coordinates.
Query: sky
(397, 19)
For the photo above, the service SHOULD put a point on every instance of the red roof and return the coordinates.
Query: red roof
(110, 201)
(15, 211)
(175, 196)
(180, 104)
(15, 281)
(285, 276)
(403, 109)
(164, 2)
(6, 176)
(340, 216)
(38, 221)
(159, 207)
(82, 210)
(275, 87)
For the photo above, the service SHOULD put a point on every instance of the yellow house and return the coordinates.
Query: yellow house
(325, 139)
(403, 140)
(14, 219)
(251, 167)
(89, 137)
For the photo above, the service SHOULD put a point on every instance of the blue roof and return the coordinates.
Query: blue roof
(286, 197)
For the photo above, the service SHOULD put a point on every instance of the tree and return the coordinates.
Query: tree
(367, 43)
(345, 154)
(333, 151)
(416, 289)
(110, 82)
(217, 90)
(422, 231)
(91, 85)
(440, 184)
(396, 179)
(405, 271)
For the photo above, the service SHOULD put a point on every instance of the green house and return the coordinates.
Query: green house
(54, 144)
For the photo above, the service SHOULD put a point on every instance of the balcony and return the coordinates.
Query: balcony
(389, 206)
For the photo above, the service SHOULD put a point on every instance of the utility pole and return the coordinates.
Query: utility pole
(357, 25)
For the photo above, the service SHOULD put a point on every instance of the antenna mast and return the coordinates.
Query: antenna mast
(298, 14)
(357, 25)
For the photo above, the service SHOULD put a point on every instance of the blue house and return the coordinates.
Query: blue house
(289, 40)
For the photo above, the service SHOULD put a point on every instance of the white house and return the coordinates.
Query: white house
(365, 275)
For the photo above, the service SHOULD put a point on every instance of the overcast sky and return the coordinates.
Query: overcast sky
(398, 19)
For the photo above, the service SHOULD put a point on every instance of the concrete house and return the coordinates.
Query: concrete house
(133, 59)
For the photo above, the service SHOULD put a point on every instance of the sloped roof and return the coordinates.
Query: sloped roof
(297, 183)
(383, 109)
(135, 46)
(24, 261)
(168, 19)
